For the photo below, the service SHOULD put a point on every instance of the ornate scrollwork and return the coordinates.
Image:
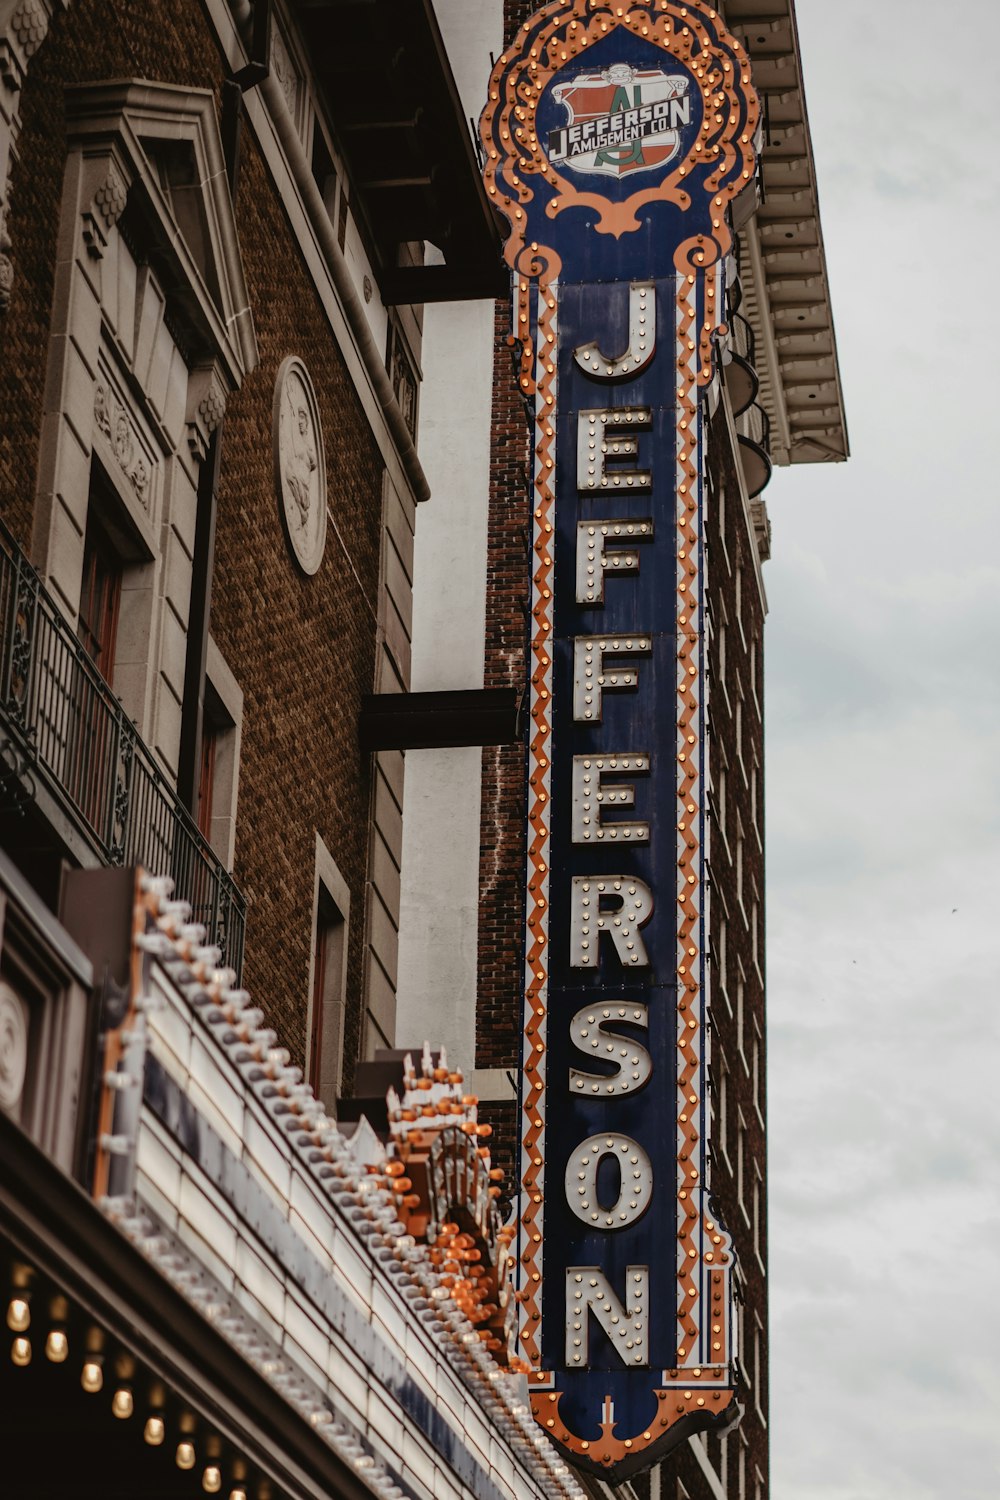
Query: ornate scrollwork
(113, 420)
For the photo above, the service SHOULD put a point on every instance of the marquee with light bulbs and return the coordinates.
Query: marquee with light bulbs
(616, 139)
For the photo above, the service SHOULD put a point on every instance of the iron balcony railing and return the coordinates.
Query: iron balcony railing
(73, 734)
(753, 431)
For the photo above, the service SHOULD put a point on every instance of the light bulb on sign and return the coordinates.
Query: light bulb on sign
(185, 1455)
(92, 1377)
(20, 1352)
(154, 1431)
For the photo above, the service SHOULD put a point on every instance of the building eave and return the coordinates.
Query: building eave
(395, 106)
(783, 258)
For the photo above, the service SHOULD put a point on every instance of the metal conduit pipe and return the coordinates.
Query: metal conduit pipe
(373, 360)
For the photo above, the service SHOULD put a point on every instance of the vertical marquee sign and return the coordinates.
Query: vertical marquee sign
(617, 136)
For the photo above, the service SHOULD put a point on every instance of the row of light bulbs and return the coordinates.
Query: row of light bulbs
(92, 1381)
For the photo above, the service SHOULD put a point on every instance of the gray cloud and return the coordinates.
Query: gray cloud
(883, 808)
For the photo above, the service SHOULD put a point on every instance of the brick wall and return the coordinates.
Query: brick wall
(302, 650)
(504, 809)
(736, 762)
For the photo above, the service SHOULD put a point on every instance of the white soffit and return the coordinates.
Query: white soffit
(783, 262)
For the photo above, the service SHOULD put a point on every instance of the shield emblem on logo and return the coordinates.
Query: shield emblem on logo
(621, 121)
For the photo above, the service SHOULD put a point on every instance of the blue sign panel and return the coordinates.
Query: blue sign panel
(617, 137)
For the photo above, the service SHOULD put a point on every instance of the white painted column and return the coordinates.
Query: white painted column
(439, 910)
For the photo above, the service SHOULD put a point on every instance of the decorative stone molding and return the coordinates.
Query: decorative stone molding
(761, 528)
(104, 210)
(206, 408)
(23, 31)
(115, 131)
(113, 420)
(300, 463)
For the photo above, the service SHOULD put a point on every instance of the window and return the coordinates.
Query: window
(758, 1370)
(757, 1208)
(160, 256)
(328, 984)
(328, 964)
(754, 807)
(741, 1155)
(219, 771)
(100, 598)
(206, 777)
(755, 932)
(719, 1104)
(739, 863)
(741, 1019)
(722, 801)
(722, 956)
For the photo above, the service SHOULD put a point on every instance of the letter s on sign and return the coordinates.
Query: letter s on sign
(633, 1066)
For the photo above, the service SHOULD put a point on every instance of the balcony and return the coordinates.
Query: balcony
(740, 370)
(63, 730)
(753, 431)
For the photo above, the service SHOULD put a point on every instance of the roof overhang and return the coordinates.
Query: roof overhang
(395, 106)
(783, 264)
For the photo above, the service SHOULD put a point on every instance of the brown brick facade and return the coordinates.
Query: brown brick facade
(302, 649)
(736, 877)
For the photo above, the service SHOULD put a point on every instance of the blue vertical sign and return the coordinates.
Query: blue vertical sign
(616, 139)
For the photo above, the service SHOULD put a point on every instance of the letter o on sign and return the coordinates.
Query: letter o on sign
(636, 1189)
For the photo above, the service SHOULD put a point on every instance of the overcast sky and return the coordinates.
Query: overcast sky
(883, 754)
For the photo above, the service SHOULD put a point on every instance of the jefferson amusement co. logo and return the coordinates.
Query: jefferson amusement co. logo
(621, 120)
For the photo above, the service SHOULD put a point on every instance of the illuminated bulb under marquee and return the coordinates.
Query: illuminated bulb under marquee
(590, 1293)
(18, 1315)
(57, 1346)
(122, 1404)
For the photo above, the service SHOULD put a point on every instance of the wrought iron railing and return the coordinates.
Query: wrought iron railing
(755, 424)
(73, 734)
(744, 343)
(753, 431)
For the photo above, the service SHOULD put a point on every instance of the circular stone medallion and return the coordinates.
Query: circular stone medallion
(13, 1049)
(300, 463)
